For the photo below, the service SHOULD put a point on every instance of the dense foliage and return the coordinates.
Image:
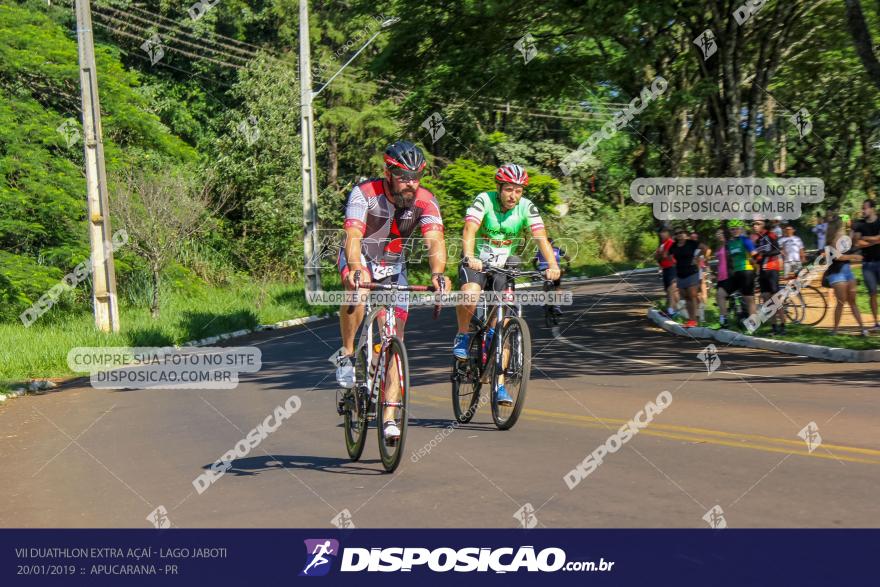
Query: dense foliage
(511, 81)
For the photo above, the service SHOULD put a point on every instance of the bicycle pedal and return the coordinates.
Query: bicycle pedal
(340, 406)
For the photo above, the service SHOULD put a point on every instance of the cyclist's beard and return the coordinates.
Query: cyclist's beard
(404, 198)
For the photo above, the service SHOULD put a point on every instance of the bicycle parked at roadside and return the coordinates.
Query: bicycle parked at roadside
(806, 306)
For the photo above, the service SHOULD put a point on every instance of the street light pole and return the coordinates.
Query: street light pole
(100, 237)
(309, 171)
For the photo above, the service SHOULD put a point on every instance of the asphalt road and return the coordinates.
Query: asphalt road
(83, 457)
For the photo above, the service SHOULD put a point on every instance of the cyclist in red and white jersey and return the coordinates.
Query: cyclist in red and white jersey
(380, 217)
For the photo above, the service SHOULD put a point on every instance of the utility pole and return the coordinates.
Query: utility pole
(309, 171)
(100, 238)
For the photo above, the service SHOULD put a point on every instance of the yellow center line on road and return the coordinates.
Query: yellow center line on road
(697, 435)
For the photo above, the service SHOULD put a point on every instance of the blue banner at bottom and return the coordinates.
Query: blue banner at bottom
(390, 557)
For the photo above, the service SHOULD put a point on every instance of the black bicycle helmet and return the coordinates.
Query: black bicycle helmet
(405, 155)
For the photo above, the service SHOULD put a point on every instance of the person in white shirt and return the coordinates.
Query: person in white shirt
(793, 250)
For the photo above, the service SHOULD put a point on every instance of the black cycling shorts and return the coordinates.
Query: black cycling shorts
(743, 282)
(768, 281)
(468, 275)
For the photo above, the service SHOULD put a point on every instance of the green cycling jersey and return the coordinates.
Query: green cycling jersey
(499, 230)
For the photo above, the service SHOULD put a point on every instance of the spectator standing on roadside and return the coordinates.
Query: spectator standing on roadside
(841, 279)
(769, 258)
(687, 272)
(820, 230)
(866, 235)
(703, 266)
(740, 250)
(793, 250)
(667, 268)
(722, 287)
(776, 226)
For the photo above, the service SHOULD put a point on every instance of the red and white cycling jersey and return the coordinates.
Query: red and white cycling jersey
(386, 227)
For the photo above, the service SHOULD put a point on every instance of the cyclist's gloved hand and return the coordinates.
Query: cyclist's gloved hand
(474, 264)
(361, 275)
(438, 280)
(553, 273)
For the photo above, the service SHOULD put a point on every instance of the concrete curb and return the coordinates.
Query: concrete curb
(814, 351)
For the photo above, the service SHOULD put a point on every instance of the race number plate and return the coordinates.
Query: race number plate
(383, 271)
(494, 256)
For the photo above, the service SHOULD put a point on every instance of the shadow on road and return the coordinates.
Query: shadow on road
(264, 464)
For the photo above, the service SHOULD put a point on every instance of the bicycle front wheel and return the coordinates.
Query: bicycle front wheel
(815, 305)
(356, 408)
(393, 395)
(794, 309)
(516, 357)
(466, 382)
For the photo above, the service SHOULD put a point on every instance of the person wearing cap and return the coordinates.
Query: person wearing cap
(793, 250)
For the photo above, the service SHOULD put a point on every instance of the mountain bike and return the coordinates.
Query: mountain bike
(380, 359)
(808, 305)
(507, 354)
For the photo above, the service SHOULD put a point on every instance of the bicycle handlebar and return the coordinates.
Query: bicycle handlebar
(397, 287)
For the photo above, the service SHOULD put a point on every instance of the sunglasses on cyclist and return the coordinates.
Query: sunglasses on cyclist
(406, 174)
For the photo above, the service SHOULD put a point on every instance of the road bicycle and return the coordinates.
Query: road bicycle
(380, 360)
(807, 306)
(507, 353)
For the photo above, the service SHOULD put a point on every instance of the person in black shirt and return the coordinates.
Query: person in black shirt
(866, 235)
(687, 271)
(769, 258)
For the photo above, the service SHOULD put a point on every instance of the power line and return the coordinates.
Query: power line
(169, 47)
(191, 74)
(230, 39)
(182, 41)
(179, 32)
(515, 109)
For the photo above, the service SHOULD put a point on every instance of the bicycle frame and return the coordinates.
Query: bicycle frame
(389, 330)
(495, 351)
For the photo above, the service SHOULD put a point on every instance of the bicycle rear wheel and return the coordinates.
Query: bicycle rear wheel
(466, 382)
(395, 368)
(516, 344)
(794, 309)
(356, 408)
(815, 305)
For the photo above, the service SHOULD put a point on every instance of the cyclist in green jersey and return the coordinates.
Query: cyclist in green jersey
(740, 250)
(492, 226)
